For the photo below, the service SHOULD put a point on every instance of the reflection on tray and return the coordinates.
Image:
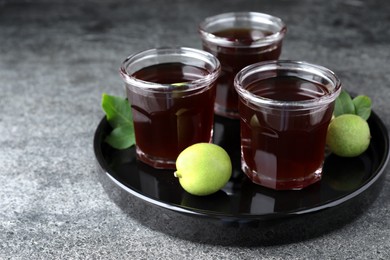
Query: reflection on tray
(240, 197)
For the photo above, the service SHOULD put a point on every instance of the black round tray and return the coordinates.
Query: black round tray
(156, 199)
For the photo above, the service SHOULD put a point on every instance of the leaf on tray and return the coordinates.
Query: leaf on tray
(362, 106)
(118, 114)
(344, 104)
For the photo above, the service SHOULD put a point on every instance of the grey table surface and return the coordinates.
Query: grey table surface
(56, 60)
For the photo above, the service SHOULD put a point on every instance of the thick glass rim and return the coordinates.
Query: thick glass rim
(293, 66)
(168, 54)
(253, 17)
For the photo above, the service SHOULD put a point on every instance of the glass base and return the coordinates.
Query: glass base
(224, 112)
(155, 162)
(283, 184)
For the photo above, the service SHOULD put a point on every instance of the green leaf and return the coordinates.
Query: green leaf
(121, 137)
(344, 104)
(117, 109)
(362, 105)
(118, 114)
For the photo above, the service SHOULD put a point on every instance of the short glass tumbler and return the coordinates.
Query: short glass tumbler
(239, 39)
(172, 93)
(285, 109)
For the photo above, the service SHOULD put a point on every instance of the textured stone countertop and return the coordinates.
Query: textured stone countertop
(56, 60)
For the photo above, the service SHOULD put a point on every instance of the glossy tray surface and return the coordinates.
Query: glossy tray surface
(343, 179)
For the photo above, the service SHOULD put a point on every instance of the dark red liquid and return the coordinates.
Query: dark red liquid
(233, 59)
(167, 123)
(245, 35)
(284, 149)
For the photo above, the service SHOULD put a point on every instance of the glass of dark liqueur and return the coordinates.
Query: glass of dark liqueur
(172, 95)
(285, 109)
(237, 40)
